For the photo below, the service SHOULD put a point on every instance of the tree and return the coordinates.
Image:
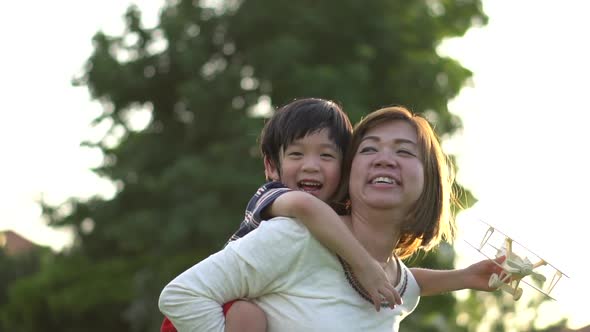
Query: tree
(14, 267)
(183, 180)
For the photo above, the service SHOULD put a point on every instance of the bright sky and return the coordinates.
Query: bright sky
(520, 153)
(525, 118)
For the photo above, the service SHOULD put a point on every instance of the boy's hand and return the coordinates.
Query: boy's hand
(480, 272)
(374, 280)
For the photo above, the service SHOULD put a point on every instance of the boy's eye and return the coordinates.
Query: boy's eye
(328, 155)
(295, 154)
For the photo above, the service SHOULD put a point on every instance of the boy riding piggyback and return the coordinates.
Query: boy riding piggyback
(303, 144)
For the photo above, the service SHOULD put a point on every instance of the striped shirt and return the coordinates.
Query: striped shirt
(263, 197)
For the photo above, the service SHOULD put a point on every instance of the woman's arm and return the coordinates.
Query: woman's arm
(245, 268)
(475, 276)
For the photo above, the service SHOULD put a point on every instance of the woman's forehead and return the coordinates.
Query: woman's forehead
(397, 130)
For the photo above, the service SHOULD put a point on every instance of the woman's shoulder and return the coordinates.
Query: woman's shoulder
(283, 225)
(278, 232)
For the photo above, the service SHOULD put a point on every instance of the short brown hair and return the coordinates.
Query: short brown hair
(430, 220)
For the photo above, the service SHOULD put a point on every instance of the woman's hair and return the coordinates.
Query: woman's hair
(430, 219)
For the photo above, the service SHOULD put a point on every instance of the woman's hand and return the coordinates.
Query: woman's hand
(478, 274)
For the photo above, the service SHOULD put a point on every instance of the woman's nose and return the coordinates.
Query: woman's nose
(385, 159)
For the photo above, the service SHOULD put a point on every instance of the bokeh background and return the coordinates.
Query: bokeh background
(129, 139)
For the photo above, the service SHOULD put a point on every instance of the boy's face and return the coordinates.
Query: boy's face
(311, 164)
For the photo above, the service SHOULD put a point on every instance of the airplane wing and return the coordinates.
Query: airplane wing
(521, 245)
(492, 246)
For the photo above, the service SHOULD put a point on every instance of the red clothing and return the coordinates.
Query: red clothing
(167, 325)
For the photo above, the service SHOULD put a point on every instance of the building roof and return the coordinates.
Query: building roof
(14, 244)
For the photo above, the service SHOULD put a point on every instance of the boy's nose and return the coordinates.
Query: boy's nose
(311, 165)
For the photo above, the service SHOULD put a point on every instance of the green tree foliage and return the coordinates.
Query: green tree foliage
(17, 267)
(184, 179)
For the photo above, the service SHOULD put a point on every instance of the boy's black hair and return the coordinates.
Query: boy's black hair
(300, 118)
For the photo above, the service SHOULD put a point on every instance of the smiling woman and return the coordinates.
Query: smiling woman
(406, 149)
(399, 201)
(397, 138)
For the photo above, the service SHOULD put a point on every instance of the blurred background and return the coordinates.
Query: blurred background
(129, 135)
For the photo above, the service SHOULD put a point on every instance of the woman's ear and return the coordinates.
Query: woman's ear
(270, 171)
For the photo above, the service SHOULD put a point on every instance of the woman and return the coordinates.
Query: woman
(399, 200)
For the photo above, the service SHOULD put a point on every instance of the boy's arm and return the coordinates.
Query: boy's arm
(476, 277)
(327, 227)
(257, 206)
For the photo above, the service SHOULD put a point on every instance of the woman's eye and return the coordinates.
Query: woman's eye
(367, 149)
(407, 152)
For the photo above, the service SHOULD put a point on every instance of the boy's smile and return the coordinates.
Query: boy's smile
(310, 186)
(311, 164)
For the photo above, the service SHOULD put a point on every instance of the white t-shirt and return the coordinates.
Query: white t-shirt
(300, 285)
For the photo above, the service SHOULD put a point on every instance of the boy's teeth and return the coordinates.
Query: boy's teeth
(305, 183)
(382, 179)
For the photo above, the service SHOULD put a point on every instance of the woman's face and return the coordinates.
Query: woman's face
(387, 171)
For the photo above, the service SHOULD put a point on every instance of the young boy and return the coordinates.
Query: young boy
(303, 144)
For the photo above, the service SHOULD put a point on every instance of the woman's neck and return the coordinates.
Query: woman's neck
(378, 232)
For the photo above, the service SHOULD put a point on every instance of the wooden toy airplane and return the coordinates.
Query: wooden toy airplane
(515, 268)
